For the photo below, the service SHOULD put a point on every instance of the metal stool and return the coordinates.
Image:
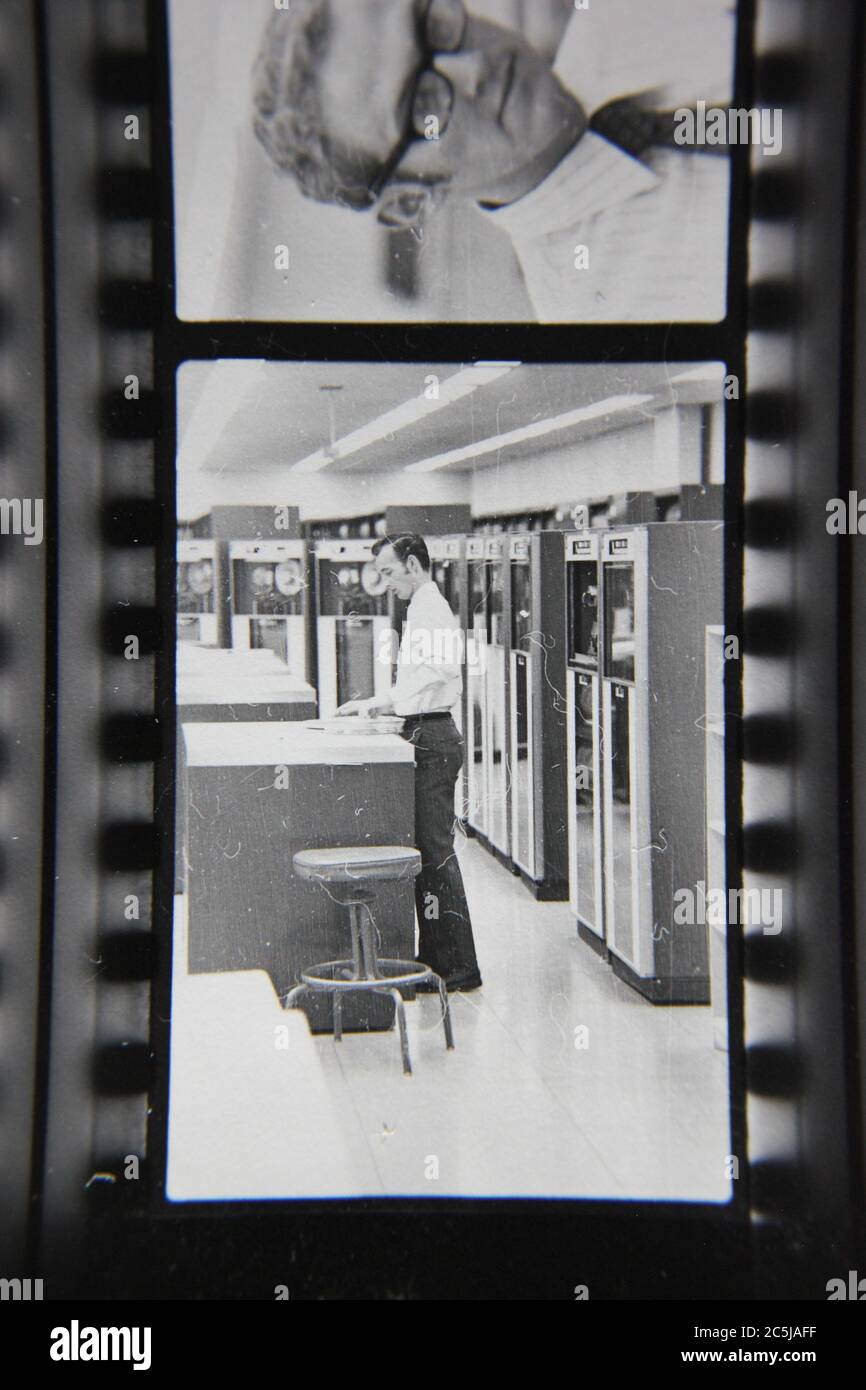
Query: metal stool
(351, 871)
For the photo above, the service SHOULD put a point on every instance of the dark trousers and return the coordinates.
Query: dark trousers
(445, 941)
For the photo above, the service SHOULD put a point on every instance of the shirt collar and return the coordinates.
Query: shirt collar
(592, 178)
(423, 589)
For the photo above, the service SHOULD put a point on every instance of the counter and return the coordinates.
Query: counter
(216, 685)
(258, 793)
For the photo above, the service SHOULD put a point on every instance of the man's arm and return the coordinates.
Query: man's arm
(433, 654)
(411, 681)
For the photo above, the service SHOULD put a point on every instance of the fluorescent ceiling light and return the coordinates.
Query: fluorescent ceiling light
(536, 430)
(226, 389)
(706, 371)
(454, 388)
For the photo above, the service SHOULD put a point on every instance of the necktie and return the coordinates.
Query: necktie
(637, 128)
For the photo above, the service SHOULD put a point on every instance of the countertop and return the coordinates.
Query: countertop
(192, 654)
(231, 689)
(214, 676)
(277, 744)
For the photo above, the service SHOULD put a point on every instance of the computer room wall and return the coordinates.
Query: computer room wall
(679, 445)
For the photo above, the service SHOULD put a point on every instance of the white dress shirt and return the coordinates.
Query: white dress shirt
(429, 664)
(655, 228)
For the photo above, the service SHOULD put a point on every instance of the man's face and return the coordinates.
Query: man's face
(508, 108)
(394, 572)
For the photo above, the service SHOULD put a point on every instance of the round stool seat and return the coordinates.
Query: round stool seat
(353, 864)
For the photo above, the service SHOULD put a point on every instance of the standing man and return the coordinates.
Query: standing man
(427, 687)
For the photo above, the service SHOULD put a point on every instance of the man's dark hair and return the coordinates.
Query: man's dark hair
(288, 119)
(403, 547)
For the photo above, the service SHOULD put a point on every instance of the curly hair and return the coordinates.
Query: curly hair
(288, 118)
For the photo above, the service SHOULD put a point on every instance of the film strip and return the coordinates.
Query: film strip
(89, 1002)
(100, 1055)
(793, 837)
(27, 520)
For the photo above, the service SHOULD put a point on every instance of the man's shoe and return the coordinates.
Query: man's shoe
(463, 984)
(455, 984)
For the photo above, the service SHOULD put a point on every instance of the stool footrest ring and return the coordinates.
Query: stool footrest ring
(325, 975)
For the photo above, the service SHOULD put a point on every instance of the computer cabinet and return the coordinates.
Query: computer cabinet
(585, 808)
(354, 640)
(487, 694)
(661, 587)
(196, 592)
(270, 601)
(448, 572)
(537, 713)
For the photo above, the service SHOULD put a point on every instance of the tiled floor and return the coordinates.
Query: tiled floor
(259, 1108)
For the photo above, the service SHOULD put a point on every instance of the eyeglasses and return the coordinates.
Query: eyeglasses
(442, 30)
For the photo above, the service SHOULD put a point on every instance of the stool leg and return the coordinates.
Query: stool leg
(446, 1012)
(294, 994)
(368, 946)
(401, 1021)
(355, 925)
(338, 1015)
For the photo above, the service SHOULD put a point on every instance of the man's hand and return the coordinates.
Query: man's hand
(359, 707)
(377, 704)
